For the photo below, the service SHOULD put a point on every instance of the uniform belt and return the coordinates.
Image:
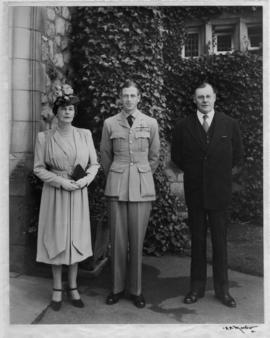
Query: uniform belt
(134, 157)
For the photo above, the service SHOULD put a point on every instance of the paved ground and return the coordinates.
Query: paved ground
(165, 281)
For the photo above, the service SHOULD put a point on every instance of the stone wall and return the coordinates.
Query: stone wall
(38, 57)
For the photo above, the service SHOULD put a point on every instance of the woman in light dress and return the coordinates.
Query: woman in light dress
(64, 234)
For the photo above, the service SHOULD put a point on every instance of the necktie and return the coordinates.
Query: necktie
(205, 124)
(130, 120)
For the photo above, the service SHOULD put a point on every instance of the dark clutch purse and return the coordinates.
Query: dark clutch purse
(78, 173)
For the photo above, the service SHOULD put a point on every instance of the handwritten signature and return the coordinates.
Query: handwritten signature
(243, 328)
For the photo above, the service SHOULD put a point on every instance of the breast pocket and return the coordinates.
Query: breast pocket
(225, 144)
(142, 139)
(119, 141)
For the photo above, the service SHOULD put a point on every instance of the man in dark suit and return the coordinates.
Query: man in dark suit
(206, 146)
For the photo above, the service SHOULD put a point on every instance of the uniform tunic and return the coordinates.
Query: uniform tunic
(64, 233)
(130, 156)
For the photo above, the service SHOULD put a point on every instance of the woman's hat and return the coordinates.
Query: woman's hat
(64, 97)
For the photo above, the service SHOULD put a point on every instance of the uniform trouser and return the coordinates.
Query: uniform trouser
(199, 219)
(128, 223)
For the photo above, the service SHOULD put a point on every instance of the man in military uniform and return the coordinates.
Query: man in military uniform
(129, 156)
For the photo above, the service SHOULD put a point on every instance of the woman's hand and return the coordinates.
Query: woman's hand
(82, 182)
(69, 185)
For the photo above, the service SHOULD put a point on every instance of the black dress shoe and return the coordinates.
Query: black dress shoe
(138, 301)
(75, 302)
(56, 305)
(193, 296)
(113, 298)
(226, 299)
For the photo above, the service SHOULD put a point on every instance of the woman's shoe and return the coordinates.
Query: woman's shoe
(56, 305)
(75, 302)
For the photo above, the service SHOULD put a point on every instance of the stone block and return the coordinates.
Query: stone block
(58, 40)
(50, 13)
(37, 50)
(24, 103)
(44, 98)
(51, 49)
(59, 60)
(38, 80)
(44, 51)
(177, 189)
(26, 75)
(50, 31)
(65, 12)
(21, 74)
(64, 43)
(60, 27)
(22, 43)
(22, 16)
(21, 136)
(40, 17)
(58, 10)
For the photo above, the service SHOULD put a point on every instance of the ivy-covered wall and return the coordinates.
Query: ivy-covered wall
(55, 57)
(110, 44)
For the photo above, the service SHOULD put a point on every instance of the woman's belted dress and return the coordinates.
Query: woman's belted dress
(64, 233)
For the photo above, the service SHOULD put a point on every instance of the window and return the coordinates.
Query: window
(224, 42)
(192, 45)
(193, 42)
(223, 39)
(255, 37)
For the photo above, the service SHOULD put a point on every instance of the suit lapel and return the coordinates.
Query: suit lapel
(219, 129)
(193, 129)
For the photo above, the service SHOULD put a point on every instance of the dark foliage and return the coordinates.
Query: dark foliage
(111, 44)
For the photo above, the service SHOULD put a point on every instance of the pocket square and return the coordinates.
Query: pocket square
(224, 136)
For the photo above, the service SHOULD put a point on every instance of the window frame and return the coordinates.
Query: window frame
(219, 30)
(254, 25)
(193, 30)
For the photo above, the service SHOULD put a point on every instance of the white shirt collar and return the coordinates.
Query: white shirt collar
(209, 119)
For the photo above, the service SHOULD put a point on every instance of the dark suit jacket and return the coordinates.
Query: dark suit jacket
(207, 168)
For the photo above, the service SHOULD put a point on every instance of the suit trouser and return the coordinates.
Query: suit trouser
(199, 219)
(128, 222)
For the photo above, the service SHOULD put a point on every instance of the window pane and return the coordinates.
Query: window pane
(255, 36)
(192, 45)
(224, 43)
